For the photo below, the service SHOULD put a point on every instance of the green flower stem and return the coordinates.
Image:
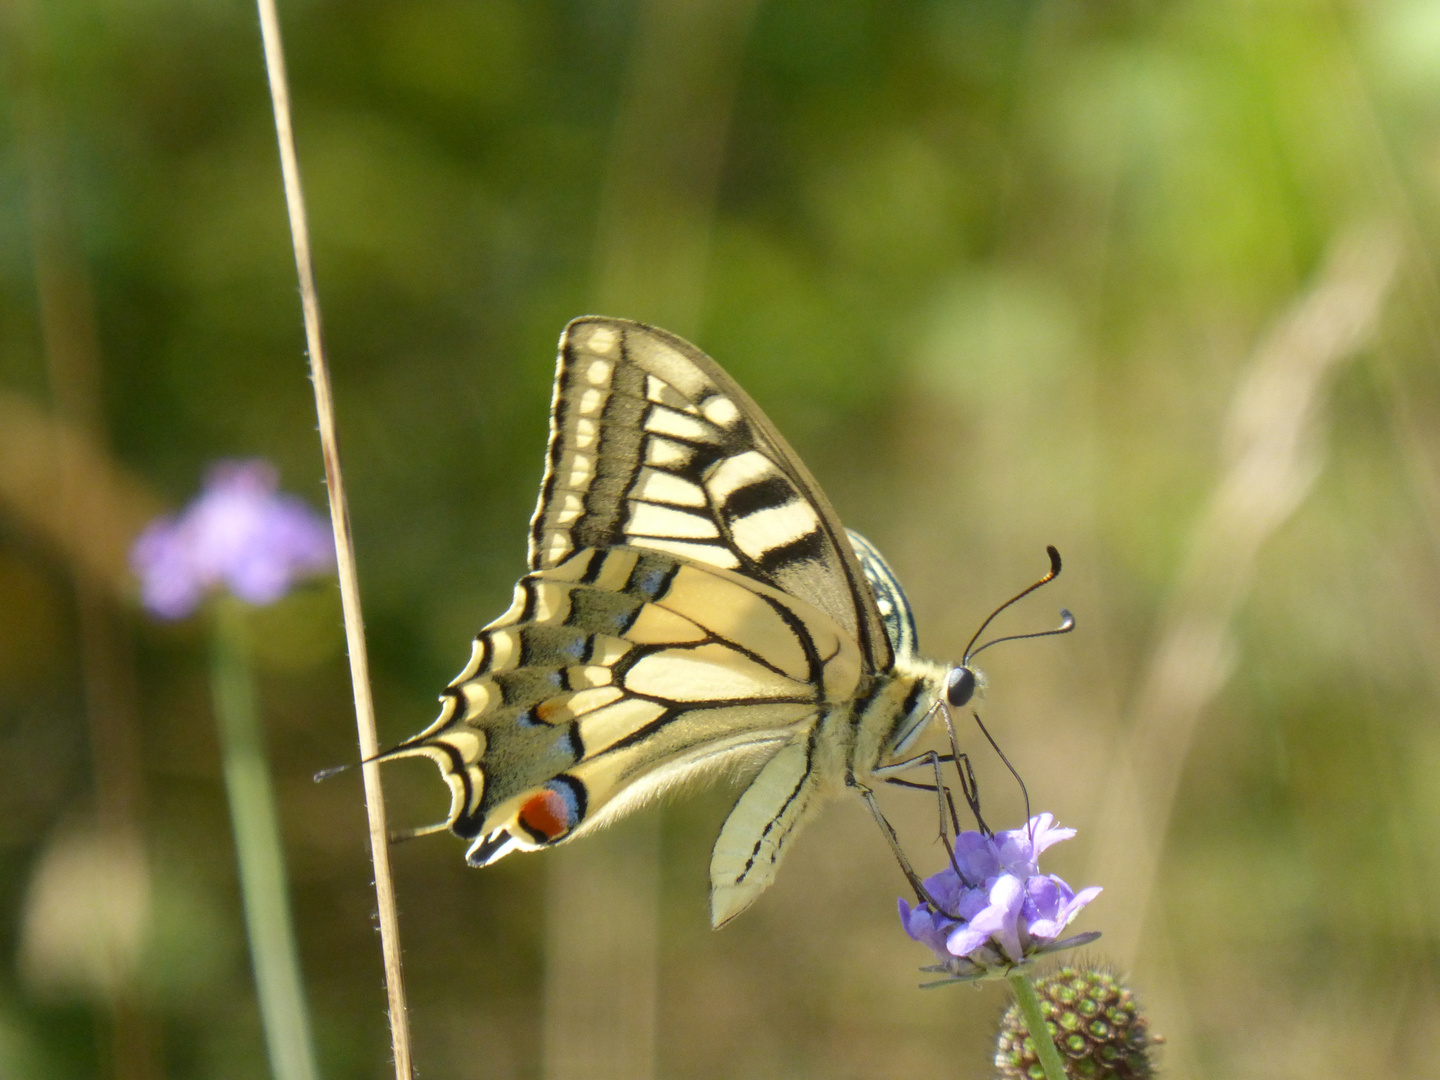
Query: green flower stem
(257, 846)
(1035, 1023)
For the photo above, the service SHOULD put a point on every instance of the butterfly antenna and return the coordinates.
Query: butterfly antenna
(1051, 576)
(1067, 623)
(1001, 753)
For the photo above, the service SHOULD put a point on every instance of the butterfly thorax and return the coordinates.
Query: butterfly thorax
(889, 719)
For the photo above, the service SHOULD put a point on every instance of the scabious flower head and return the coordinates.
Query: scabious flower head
(1096, 1025)
(993, 910)
(241, 533)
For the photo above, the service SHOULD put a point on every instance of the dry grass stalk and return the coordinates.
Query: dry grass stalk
(344, 543)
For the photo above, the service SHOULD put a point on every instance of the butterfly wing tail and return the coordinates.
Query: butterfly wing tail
(758, 831)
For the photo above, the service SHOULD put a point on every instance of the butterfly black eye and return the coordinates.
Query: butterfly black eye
(960, 686)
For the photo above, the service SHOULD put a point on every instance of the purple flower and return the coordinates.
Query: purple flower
(993, 909)
(241, 533)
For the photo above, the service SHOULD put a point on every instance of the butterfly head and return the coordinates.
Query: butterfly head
(960, 685)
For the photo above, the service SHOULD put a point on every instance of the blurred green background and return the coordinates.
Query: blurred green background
(1153, 282)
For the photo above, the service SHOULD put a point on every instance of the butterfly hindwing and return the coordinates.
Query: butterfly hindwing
(754, 837)
(616, 674)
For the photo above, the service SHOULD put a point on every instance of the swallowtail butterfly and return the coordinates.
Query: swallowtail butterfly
(692, 604)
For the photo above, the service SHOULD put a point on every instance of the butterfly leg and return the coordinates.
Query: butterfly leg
(1001, 753)
(968, 784)
(945, 800)
(944, 797)
(922, 894)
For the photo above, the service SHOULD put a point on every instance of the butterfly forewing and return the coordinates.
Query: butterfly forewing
(653, 445)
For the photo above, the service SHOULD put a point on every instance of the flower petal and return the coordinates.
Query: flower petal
(1052, 905)
(998, 920)
(996, 909)
(170, 585)
(924, 926)
(240, 532)
(976, 857)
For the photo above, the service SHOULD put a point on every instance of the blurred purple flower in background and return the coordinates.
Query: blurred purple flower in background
(995, 907)
(241, 532)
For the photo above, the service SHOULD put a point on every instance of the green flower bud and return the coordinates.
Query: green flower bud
(1095, 1022)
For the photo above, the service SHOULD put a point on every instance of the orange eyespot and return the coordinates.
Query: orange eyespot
(546, 815)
